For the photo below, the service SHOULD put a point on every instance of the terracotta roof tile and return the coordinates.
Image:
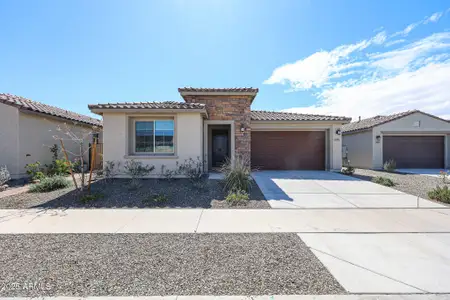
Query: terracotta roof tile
(225, 90)
(260, 115)
(148, 105)
(27, 104)
(368, 123)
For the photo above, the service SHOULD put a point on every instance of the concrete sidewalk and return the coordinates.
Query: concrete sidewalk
(271, 297)
(224, 220)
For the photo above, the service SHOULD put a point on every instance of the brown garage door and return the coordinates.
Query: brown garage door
(288, 150)
(414, 151)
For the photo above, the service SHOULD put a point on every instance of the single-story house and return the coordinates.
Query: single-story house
(215, 123)
(413, 139)
(27, 130)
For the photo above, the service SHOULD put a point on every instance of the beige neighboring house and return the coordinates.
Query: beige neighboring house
(414, 139)
(27, 128)
(214, 124)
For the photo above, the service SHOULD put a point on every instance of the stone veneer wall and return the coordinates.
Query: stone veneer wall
(230, 107)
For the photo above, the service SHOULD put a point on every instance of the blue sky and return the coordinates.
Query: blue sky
(353, 58)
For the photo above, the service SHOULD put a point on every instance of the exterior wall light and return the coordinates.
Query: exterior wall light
(378, 139)
(338, 132)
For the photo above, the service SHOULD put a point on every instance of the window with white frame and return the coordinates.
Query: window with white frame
(154, 136)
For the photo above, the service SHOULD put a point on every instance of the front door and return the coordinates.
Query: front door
(219, 148)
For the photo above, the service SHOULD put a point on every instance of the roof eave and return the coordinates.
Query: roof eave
(100, 111)
(305, 121)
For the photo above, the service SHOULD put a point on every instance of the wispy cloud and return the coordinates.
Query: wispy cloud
(367, 78)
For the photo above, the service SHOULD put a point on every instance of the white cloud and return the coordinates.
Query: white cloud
(401, 58)
(316, 69)
(426, 88)
(433, 18)
(353, 80)
(394, 42)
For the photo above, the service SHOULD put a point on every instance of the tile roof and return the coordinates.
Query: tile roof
(368, 123)
(30, 105)
(225, 90)
(260, 115)
(148, 105)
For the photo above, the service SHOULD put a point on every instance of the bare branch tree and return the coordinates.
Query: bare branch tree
(82, 137)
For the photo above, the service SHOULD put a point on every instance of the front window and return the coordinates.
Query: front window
(154, 136)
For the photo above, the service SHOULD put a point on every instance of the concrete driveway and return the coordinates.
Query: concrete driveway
(322, 189)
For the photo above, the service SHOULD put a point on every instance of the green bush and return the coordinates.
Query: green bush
(440, 194)
(157, 198)
(59, 167)
(390, 165)
(91, 197)
(237, 198)
(34, 170)
(383, 181)
(49, 184)
(237, 175)
(136, 170)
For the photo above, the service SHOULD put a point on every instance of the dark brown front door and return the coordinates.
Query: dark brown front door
(425, 152)
(288, 150)
(219, 147)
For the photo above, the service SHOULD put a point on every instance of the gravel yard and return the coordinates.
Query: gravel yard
(414, 184)
(181, 193)
(161, 264)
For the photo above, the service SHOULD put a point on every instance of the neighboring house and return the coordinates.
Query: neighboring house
(414, 139)
(215, 123)
(27, 129)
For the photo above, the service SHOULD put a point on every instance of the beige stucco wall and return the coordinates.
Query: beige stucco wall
(359, 147)
(9, 138)
(405, 126)
(36, 136)
(333, 143)
(188, 139)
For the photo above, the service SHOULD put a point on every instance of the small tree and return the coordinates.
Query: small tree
(75, 133)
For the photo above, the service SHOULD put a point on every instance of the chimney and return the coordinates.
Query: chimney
(359, 119)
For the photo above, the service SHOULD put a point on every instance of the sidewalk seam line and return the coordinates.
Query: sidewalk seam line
(124, 225)
(367, 269)
(336, 194)
(198, 221)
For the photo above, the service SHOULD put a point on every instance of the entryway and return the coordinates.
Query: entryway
(219, 144)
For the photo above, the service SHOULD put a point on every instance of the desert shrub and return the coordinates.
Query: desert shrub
(348, 170)
(383, 181)
(443, 175)
(49, 184)
(59, 167)
(160, 198)
(390, 165)
(237, 175)
(440, 194)
(34, 170)
(169, 174)
(111, 170)
(193, 169)
(136, 170)
(237, 198)
(91, 197)
(5, 176)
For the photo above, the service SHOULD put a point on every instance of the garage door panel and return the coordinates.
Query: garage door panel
(288, 150)
(414, 151)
